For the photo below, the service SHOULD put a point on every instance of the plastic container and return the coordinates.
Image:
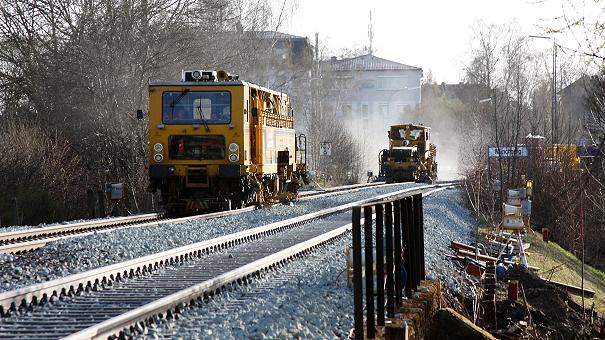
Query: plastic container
(513, 290)
(545, 234)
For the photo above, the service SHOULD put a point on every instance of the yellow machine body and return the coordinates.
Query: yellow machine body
(410, 157)
(220, 144)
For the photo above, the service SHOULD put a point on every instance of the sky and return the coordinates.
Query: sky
(432, 34)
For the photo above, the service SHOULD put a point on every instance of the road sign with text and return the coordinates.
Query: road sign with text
(325, 149)
(507, 151)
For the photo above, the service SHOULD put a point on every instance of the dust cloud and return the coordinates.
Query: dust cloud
(445, 134)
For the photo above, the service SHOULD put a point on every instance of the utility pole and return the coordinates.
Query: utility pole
(316, 54)
(315, 112)
(16, 205)
(553, 110)
(498, 146)
(371, 34)
(554, 92)
(317, 105)
(582, 238)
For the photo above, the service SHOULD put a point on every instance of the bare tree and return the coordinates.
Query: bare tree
(82, 67)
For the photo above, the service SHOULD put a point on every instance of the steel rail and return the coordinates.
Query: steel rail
(117, 324)
(21, 241)
(11, 300)
(174, 302)
(343, 187)
(32, 233)
(348, 189)
(21, 247)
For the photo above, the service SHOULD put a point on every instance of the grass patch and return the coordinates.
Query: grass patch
(568, 270)
(578, 262)
(549, 255)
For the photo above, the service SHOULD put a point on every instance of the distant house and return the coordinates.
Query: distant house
(574, 115)
(292, 49)
(370, 92)
(288, 60)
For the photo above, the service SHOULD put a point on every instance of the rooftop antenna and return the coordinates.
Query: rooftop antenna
(370, 33)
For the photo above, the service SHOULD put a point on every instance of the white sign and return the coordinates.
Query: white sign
(325, 149)
(117, 191)
(507, 151)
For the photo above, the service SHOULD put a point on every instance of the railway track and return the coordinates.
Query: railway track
(101, 303)
(18, 242)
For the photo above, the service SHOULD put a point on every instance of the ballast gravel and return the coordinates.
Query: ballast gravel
(309, 298)
(74, 255)
(446, 219)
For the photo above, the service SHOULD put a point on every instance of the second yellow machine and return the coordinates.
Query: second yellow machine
(219, 143)
(410, 157)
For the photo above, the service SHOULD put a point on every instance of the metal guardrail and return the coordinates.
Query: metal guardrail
(398, 234)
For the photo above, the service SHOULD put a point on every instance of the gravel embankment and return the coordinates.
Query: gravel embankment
(446, 219)
(74, 255)
(308, 298)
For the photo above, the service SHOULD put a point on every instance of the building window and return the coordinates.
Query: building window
(366, 84)
(392, 83)
(400, 109)
(340, 83)
(365, 110)
(383, 109)
(347, 111)
(365, 114)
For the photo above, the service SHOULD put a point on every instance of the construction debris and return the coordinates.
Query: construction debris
(575, 290)
(449, 324)
(505, 296)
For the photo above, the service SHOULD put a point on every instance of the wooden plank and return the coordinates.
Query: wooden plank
(589, 293)
(481, 257)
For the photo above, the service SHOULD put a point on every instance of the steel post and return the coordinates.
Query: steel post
(389, 255)
(397, 252)
(357, 281)
(379, 264)
(407, 241)
(421, 236)
(369, 268)
(413, 245)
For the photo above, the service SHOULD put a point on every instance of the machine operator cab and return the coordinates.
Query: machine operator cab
(411, 156)
(410, 135)
(217, 142)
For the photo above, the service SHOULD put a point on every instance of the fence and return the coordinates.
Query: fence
(399, 235)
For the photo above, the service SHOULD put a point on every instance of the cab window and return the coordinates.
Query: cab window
(196, 107)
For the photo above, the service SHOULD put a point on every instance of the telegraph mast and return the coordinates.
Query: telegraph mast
(370, 33)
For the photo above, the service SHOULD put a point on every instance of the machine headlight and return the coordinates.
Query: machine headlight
(158, 158)
(196, 74)
(158, 147)
(233, 157)
(233, 147)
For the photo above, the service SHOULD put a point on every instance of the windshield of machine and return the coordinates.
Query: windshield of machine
(416, 134)
(397, 133)
(205, 147)
(188, 107)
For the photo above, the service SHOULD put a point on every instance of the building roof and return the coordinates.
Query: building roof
(274, 35)
(367, 62)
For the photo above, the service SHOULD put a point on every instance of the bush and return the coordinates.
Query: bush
(40, 171)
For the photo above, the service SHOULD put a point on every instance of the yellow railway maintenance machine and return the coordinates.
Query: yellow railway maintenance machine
(410, 156)
(218, 143)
